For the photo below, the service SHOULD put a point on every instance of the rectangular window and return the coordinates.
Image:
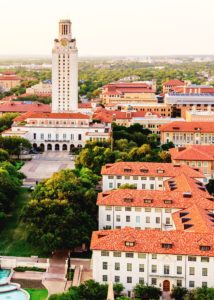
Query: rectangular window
(34, 136)
(104, 253)
(129, 279)
(191, 271)
(205, 259)
(154, 256)
(154, 268)
(154, 281)
(137, 219)
(117, 266)
(108, 217)
(79, 137)
(72, 137)
(105, 278)
(166, 270)
(141, 268)
(135, 177)
(204, 284)
(138, 209)
(64, 136)
(108, 207)
(117, 218)
(127, 218)
(128, 208)
(141, 280)
(118, 208)
(117, 254)
(191, 258)
(204, 272)
(129, 254)
(179, 257)
(141, 255)
(157, 220)
(191, 284)
(147, 209)
(167, 221)
(179, 283)
(49, 136)
(111, 185)
(117, 279)
(152, 186)
(147, 219)
(119, 177)
(143, 186)
(105, 265)
(179, 270)
(129, 267)
(42, 136)
(110, 177)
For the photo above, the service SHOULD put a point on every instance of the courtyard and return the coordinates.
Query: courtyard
(44, 165)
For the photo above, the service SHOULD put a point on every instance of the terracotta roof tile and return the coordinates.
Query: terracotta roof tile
(188, 127)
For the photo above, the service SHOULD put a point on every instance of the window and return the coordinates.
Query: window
(141, 255)
(138, 209)
(117, 254)
(129, 267)
(154, 268)
(117, 218)
(154, 256)
(166, 270)
(191, 284)
(143, 178)
(137, 219)
(179, 257)
(117, 279)
(191, 271)
(111, 185)
(143, 186)
(128, 208)
(108, 207)
(118, 185)
(204, 272)
(205, 248)
(117, 266)
(147, 209)
(34, 136)
(42, 136)
(127, 218)
(129, 279)
(154, 281)
(167, 210)
(157, 220)
(179, 270)
(135, 177)
(105, 278)
(191, 258)
(105, 265)
(152, 186)
(127, 177)
(204, 284)
(179, 283)
(104, 253)
(49, 136)
(108, 217)
(205, 259)
(141, 268)
(147, 219)
(166, 246)
(141, 280)
(64, 136)
(119, 177)
(110, 177)
(118, 208)
(129, 254)
(79, 137)
(167, 221)
(72, 137)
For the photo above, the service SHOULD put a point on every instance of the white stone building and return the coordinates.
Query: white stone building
(144, 175)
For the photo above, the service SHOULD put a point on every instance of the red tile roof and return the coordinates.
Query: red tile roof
(33, 115)
(21, 107)
(193, 153)
(153, 169)
(120, 88)
(151, 241)
(84, 105)
(173, 82)
(12, 77)
(188, 127)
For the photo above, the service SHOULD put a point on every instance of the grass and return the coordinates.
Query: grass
(13, 239)
(37, 294)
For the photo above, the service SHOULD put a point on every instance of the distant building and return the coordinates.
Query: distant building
(43, 89)
(196, 156)
(200, 116)
(24, 107)
(188, 133)
(9, 80)
(127, 93)
(168, 86)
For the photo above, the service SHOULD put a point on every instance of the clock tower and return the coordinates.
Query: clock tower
(64, 70)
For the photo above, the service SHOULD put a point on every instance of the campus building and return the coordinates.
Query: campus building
(9, 80)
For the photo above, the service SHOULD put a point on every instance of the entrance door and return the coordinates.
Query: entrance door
(166, 286)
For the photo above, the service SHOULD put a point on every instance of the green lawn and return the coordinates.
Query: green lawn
(13, 239)
(37, 294)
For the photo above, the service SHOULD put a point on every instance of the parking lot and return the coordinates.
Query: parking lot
(44, 165)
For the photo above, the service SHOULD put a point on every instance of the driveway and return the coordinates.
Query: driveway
(44, 165)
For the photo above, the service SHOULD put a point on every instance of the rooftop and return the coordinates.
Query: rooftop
(188, 127)
(193, 153)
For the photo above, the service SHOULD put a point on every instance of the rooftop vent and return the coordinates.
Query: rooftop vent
(148, 200)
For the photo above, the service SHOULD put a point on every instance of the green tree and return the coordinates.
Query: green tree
(127, 186)
(147, 292)
(178, 293)
(118, 288)
(14, 145)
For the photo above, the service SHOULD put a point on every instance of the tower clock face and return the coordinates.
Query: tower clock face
(64, 42)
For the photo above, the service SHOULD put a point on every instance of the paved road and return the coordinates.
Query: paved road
(44, 165)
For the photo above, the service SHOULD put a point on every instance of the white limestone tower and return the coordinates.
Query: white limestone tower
(64, 70)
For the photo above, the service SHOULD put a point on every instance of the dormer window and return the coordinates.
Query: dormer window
(205, 248)
(166, 246)
(143, 170)
(128, 199)
(160, 171)
(127, 170)
(148, 200)
(168, 201)
(129, 244)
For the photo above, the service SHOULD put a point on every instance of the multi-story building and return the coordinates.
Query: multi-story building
(144, 175)
(164, 259)
(9, 80)
(65, 70)
(169, 86)
(136, 92)
(43, 89)
(180, 103)
(200, 116)
(65, 127)
(188, 133)
(196, 156)
(23, 107)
